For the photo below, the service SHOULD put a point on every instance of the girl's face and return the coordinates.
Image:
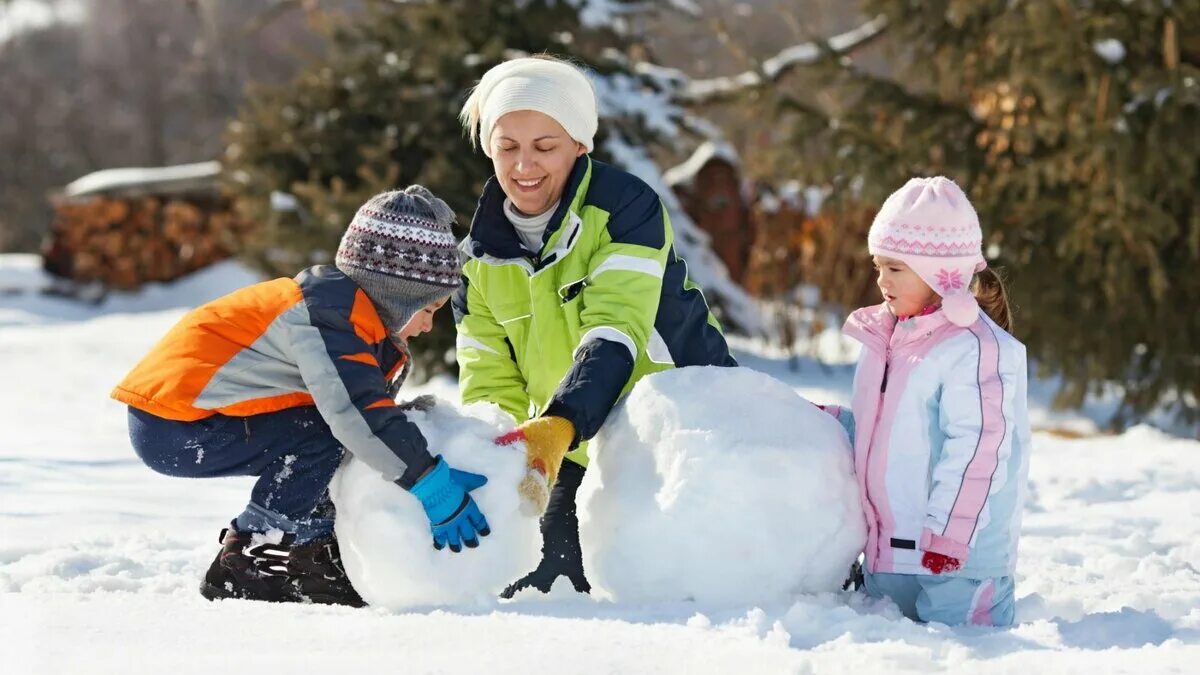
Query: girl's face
(421, 322)
(532, 156)
(903, 291)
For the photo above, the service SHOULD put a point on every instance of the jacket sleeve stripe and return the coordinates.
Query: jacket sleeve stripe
(468, 342)
(977, 477)
(629, 263)
(606, 333)
(361, 357)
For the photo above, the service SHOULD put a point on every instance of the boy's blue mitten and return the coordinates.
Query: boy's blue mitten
(454, 517)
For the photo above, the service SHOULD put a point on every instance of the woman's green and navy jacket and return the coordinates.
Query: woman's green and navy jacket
(569, 329)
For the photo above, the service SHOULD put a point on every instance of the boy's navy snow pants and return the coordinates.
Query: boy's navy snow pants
(292, 451)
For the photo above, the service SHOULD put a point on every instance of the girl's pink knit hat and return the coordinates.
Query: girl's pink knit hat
(930, 225)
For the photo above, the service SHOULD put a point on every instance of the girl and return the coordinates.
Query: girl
(939, 424)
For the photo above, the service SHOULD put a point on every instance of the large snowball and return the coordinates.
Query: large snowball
(384, 534)
(722, 485)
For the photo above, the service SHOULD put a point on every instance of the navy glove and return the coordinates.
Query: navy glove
(454, 517)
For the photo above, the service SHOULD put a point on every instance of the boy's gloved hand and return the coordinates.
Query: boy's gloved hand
(938, 563)
(547, 440)
(454, 517)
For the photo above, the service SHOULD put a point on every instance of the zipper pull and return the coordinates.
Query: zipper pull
(883, 384)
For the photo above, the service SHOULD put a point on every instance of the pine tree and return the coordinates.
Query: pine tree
(378, 112)
(1075, 129)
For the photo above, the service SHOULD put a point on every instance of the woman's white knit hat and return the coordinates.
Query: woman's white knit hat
(554, 88)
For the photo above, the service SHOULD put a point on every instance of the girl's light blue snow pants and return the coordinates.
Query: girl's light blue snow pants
(951, 600)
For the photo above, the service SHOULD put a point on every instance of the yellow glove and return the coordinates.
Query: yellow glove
(547, 440)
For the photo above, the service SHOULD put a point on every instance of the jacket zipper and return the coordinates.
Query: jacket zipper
(887, 362)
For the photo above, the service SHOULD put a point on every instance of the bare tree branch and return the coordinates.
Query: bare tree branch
(708, 90)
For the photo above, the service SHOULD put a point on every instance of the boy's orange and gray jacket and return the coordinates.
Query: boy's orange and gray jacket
(313, 340)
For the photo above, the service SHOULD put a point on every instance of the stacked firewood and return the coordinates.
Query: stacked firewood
(124, 242)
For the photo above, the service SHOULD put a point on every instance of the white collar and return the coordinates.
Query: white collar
(529, 228)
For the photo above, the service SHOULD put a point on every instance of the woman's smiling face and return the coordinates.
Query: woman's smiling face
(532, 155)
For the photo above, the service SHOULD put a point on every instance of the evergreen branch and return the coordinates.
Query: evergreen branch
(890, 89)
(772, 69)
(862, 135)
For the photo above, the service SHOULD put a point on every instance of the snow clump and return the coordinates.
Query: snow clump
(718, 485)
(384, 534)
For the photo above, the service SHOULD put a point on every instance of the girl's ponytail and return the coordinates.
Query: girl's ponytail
(993, 297)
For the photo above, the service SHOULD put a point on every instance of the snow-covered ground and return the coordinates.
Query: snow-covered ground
(100, 557)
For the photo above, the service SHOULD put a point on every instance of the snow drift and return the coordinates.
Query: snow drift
(384, 535)
(721, 485)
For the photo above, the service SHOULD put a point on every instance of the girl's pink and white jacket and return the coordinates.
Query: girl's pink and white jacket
(941, 439)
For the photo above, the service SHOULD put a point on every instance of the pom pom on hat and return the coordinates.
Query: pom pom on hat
(962, 309)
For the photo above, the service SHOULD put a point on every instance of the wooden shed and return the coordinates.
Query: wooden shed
(709, 187)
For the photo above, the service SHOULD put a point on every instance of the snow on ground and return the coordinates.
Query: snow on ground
(100, 557)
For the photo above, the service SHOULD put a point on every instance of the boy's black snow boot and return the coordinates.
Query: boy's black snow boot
(250, 567)
(319, 576)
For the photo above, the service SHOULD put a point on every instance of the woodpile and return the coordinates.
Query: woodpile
(124, 235)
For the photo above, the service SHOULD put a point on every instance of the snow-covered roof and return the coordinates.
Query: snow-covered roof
(685, 173)
(200, 176)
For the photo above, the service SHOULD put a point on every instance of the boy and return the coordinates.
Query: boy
(276, 379)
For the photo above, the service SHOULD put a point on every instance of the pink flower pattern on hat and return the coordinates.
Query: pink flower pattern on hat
(949, 280)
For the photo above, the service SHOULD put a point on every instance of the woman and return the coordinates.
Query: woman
(571, 290)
